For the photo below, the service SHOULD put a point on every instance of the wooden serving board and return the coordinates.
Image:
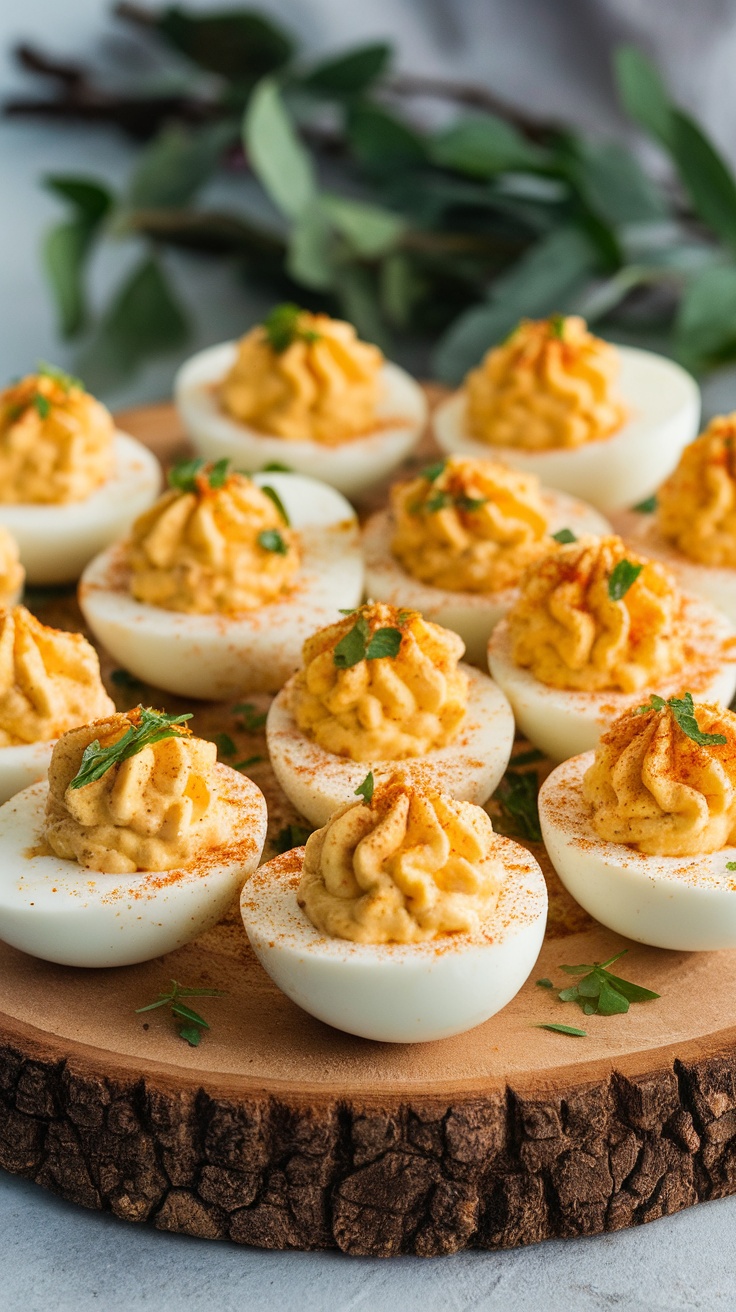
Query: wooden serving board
(283, 1133)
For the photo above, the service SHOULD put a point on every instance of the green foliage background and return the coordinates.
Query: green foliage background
(445, 237)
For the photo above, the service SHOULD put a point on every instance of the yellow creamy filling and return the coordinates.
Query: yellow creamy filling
(697, 503)
(49, 680)
(469, 525)
(212, 549)
(316, 381)
(652, 786)
(12, 573)
(357, 702)
(550, 384)
(157, 810)
(593, 615)
(56, 441)
(410, 866)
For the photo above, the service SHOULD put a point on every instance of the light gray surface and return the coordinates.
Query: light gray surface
(55, 1256)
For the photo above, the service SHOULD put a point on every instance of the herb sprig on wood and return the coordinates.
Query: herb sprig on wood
(194, 1024)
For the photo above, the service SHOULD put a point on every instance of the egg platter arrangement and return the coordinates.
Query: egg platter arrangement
(324, 606)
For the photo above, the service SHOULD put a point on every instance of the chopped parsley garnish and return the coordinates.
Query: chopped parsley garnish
(276, 467)
(281, 327)
(599, 992)
(647, 507)
(683, 709)
(60, 376)
(185, 475)
(544, 983)
(42, 405)
(153, 727)
(621, 578)
(572, 1030)
(731, 865)
(252, 720)
(517, 796)
(191, 1031)
(273, 495)
(357, 644)
(291, 836)
(248, 762)
(365, 790)
(224, 744)
(564, 535)
(438, 501)
(432, 472)
(469, 504)
(271, 540)
(557, 326)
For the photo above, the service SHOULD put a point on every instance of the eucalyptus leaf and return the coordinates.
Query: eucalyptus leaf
(236, 44)
(643, 93)
(357, 294)
(65, 251)
(277, 156)
(539, 283)
(144, 319)
(613, 185)
(368, 229)
(705, 176)
(176, 164)
(483, 145)
(91, 200)
(705, 329)
(349, 74)
(310, 258)
(380, 140)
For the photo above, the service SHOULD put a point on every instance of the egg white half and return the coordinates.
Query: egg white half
(471, 614)
(395, 992)
(714, 583)
(351, 467)
(687, 904)
(317, 782)
(221, 656)
(563, 723)
(56, 542)
(59, 911)
(22, 765)
(614, 471)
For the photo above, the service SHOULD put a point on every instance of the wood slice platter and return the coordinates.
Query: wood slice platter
(283, 1133)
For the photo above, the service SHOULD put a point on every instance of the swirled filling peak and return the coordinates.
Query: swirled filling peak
(550, 384)
(56, 441)
(412, 865)
(304, 377)
(381, 684)
(696, 506)
(593, 615)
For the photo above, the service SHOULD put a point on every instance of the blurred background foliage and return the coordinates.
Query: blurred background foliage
(437, 237)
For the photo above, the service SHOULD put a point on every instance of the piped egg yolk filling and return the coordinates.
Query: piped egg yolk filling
(49, 680)
(12, 573)
(652, 786)
(317, 383)
(381, 684)
(157, 810)
(410, 866)
(221, 549)
(56, 441)
(594, 616)
(696, 506)
(550, 384)
(469, 525)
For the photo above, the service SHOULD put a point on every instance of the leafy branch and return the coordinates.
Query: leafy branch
(442, 238)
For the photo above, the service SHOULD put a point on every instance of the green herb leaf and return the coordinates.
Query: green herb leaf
(469, 504)
(634, 992)
(186, 1013)
(271, 540)
(252, 719)
(60, 376)
(384, 643)
(544, 983)
(275, 152)
(276, 467)
(224, 744)
(42, 405)
(557, 326)
(517, 797)
(731, 865)
(183, 475)
(281, 326)
(562, 1029)
(176, 164)
(218, 474)
(683, 710)
(351, 647)
(237, 44)
(598, 992)
(291, 836)
(483, 145)
(248, 762)
(192, 1032)
(144, 319)
(527, 758)
(564, 535)
(432, 472)
(191, 1035)
(643, 93)
(438, 501)
(273, 495)
(647, 507)
(67, 247)
(365, 790)
(154, 727)
(349, 74)
(621, 578)
(124, 679)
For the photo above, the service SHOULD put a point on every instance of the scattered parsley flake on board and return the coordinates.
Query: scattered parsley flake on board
(571, 1030)
(252, 719)
(289, 837)
(192, 1030)
(599, 992)
(517, 796)
(224, 744)
(544, 983)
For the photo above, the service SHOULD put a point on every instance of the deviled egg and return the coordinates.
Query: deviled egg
(69, 482)
(457, 538)
(303, 390)
(12, 573)
(548, 401)
(138, 843)
(691, 523)
(594, 628)
(223, 578)
(49, 682)
(405, 919)
(380, 686)
(642, 831)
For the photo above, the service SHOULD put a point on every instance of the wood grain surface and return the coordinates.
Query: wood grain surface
(281, 1132)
